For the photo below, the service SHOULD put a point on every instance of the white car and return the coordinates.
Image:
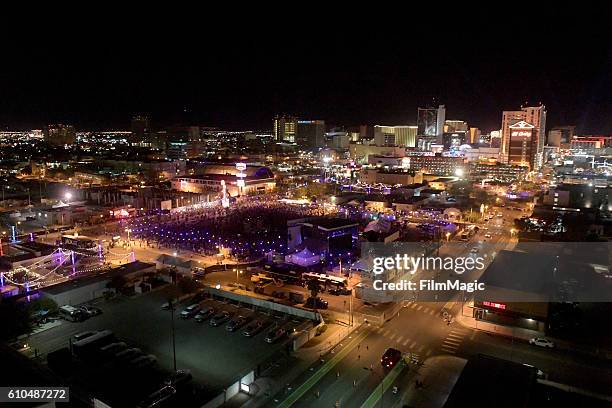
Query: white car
(487, 235)
(541, 342)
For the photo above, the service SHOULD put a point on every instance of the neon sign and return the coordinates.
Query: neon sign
(500, 306)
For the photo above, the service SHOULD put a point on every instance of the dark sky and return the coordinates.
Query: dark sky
(375, 69)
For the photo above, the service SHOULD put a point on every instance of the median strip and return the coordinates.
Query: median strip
(386, 383)
(302, 389)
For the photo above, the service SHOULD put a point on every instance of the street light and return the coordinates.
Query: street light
(68, 196)
(447, 236)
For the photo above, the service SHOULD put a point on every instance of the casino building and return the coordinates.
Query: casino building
(238, 181)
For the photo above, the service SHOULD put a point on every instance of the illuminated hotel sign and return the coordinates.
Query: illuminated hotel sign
(521, 133)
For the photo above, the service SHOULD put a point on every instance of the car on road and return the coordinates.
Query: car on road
(316, 303)
(219, 318)
(542, 342)
(190, 311)
(275, 334)
(204, 314)
(339, 291)
(487, 235)
(390, 358)
(236, 323)
(253, 328)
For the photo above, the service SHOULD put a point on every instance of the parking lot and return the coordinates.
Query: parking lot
(215, 356)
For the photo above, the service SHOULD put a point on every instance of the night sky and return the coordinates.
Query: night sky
(347, 71)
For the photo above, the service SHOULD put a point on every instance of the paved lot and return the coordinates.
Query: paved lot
(215, 356)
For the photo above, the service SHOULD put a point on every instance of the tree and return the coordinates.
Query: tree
(460, 189)
(313, 287)
(15, 320)
(42, 304)
(187, 285)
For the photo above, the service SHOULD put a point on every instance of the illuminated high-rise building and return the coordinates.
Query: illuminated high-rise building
(284, 129)
(140, 128)
(403, 136)
(310, 133)
(430, 126)
(533, 115)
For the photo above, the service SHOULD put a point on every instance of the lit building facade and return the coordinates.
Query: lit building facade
(284, 129)
(533, 115)
(251, 180)
(430, 126)
(404, 136)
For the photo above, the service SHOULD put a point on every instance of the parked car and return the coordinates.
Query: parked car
(82, 335)
(275, 334)
(180, 377)
(113, 348)
(91, 311)
(204, 314)
(390, 358)
(158, 398)
(143, 361)
(236, 323)
(128, 354)
(166, 306)
(542, 342)
(315, 303)
(219, 318)
(253, 328)
(190, 311)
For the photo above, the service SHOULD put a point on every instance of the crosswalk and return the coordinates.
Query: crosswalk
(453, 340)
(402, 340)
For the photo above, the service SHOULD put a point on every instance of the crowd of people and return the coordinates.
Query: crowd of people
(249, 228)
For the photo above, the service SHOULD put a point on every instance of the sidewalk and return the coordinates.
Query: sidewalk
(438, 375)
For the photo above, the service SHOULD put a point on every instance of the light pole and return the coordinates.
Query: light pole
(171, 303)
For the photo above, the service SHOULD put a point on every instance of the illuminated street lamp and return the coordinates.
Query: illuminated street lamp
(447, 236)
(68, 196)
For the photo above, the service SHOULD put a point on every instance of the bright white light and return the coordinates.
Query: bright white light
(459, 172)
(68, 196)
